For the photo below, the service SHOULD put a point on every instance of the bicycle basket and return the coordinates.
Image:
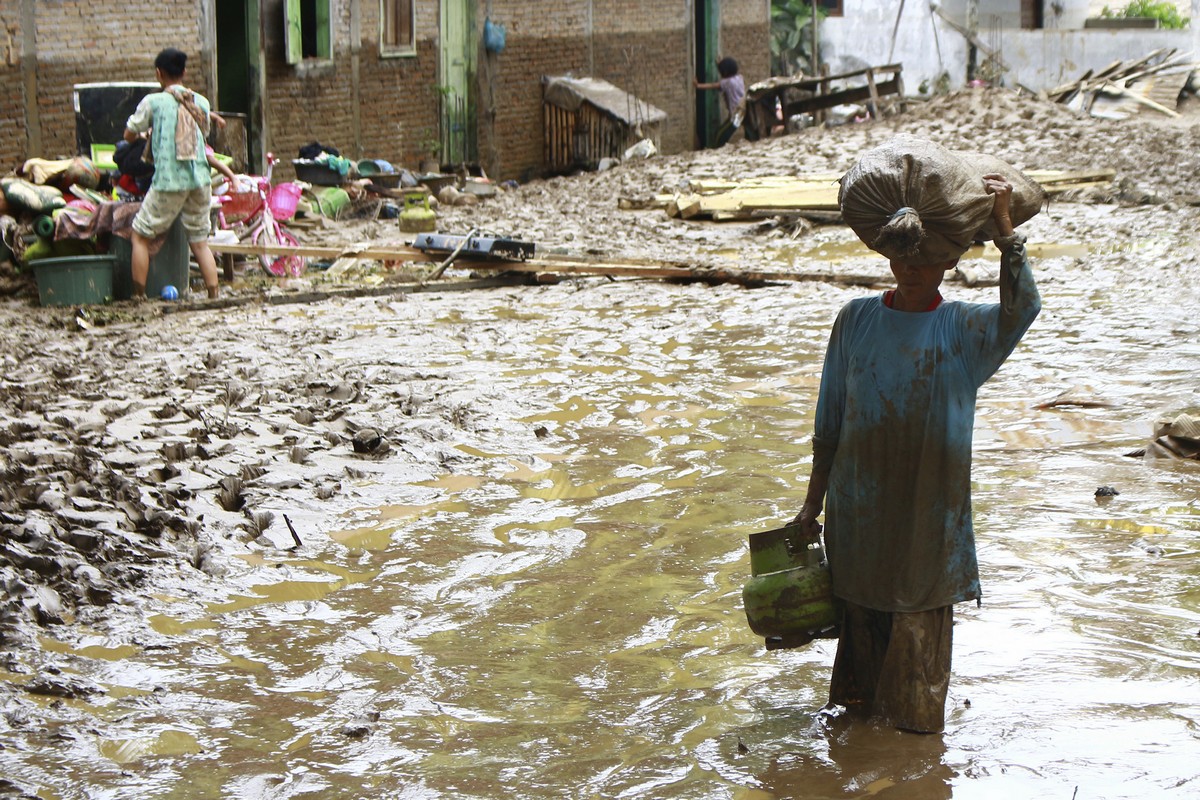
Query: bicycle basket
(240, 206)
(283, 199)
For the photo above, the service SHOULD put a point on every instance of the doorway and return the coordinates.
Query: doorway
(239, 80)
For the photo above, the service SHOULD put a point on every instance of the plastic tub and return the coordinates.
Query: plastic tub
(386, 180)
(317, 173)
(102, 157)
(370, 167)
(75, 280)
(168, 267)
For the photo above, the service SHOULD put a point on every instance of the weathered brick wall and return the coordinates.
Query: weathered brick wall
(89, 41)
(12, 91)
(512, 144)
(396, 102)
(642, 46)
(749, 47)
(306, 102)
(745, 35)
(399, 106)
(655, 71)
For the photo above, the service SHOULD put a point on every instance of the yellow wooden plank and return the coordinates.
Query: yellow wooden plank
(816, 199)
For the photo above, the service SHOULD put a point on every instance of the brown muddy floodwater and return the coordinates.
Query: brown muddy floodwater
(555, 610)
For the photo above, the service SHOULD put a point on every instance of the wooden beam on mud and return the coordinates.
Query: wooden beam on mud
(680, 272)
(752, 198)
(561, 265)
(566, 265)
(383, 252)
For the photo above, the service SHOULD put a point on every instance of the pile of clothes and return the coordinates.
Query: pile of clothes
(32, 201)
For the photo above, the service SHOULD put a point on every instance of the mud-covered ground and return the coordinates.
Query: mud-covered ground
(141, 449)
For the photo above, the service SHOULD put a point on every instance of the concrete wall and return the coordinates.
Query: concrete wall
(927, 45)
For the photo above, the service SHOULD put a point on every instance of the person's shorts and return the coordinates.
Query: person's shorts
(159, 210)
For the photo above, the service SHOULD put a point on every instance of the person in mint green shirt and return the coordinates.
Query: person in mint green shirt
(892, 470)
(175, 121)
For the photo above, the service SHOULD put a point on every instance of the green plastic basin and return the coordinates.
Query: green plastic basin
(74, 280)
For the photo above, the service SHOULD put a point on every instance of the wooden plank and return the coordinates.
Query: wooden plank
(820, 199)
(689, 205)
(745, 200)
(1061, 188)
(386, 252)
(1165, 88)
(872, 92)
(1136, 96)
(702, 274)
(1049, 177)
(842, 96)
(569, 265)
(805, 181)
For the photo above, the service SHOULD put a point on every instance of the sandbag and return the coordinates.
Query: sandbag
(914, 201)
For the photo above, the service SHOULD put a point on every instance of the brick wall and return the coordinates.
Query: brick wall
(12, 91)
(89, 41)
(396, 103)
(643, 46)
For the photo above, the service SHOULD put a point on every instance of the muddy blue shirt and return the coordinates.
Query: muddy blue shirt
(894, 422)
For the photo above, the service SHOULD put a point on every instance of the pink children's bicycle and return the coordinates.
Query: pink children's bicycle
(261, 211)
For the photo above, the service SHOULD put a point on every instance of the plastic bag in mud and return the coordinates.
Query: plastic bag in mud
(914, 201)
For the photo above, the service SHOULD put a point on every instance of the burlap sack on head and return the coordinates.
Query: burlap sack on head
(914, 201)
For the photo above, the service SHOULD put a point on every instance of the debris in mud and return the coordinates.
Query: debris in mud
(59, 686)
(1124, 88)
(361, 726)
(113, 438)
(369, 441)
(1175, 438)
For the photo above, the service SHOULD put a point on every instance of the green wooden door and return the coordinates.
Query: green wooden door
(457, 77)
(708, 111)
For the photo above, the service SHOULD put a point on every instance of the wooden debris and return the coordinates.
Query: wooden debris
(815, 195)
(1124, 88)
(570, 265)
(383, 252)
(709, 275)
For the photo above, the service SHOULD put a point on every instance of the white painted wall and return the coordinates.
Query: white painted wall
(1037, 59)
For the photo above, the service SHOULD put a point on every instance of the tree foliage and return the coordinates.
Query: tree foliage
(1164, 11)
(791, 36)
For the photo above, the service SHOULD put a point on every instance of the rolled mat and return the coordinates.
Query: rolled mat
(43, 226)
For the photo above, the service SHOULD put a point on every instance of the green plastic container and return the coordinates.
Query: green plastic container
(168, 267)
(789, 599)
(75, 280)
(332, 201)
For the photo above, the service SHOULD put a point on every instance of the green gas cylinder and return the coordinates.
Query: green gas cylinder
(789, 598)
(417, 216)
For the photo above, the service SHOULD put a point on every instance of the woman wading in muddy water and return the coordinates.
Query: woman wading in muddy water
(892, 467)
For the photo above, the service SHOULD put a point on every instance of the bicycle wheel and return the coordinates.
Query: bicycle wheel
(289, 265)
(267, 233)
